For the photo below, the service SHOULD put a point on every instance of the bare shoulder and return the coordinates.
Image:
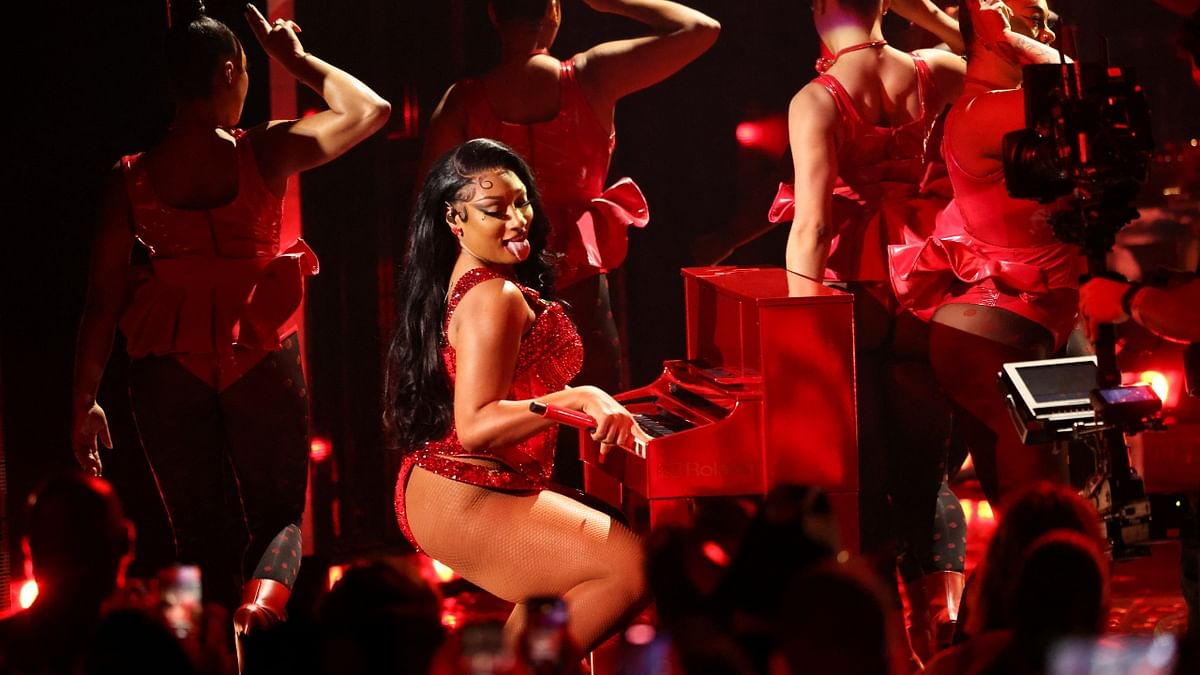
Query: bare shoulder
(812, 106)
(995, 105)
(940, 60)
(494, 302)
(265, 137)
(947, 70)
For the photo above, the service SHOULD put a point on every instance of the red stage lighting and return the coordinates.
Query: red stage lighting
(27, 594)
(749, 133)
(443, 572)
(1160, 383)
(640, 634)
(716, 554)
(335, 574)
(768, 134)
(319, 449)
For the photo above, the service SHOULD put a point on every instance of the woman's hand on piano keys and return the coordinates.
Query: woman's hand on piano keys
(614, 424)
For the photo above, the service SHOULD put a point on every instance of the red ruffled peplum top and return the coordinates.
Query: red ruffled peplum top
(217, 278)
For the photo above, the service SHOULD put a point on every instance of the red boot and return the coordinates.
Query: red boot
(934, 602)
(264, 604)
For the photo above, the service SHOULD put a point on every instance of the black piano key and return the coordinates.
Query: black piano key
(662, 423)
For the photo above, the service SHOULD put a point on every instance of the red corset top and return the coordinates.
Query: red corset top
(246, 227)
(549, 357)
(880, 196)
(217, 278)
(871, 154)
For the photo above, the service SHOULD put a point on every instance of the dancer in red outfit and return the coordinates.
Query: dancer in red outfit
(999, 286)
(558, 115)
(479, 341)
(215, 380)
(859, 134)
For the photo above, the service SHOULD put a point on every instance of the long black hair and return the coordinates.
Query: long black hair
(196, 47)
(418, 405)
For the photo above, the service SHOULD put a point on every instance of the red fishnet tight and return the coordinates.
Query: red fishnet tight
(520, 546)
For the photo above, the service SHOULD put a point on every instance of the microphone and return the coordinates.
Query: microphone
(557, 413)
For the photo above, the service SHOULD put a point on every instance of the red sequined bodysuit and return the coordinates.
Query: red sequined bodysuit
(990, 250)
(217, 279)
(886, 191)
(569, 155)
(549, 357)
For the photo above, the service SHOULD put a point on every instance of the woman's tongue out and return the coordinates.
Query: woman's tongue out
(519, 248)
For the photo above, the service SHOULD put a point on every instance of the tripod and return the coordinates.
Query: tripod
(1116, 490)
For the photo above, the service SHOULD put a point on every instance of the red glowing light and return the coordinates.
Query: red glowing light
(319, 449)
(1158, 382)
(27, 594)
(335, 574)
(985, 511)
(310, 112)
(768, 134)
(640, 634)
(443, 573)
(714, 552)
(749, 133)
(979, 510)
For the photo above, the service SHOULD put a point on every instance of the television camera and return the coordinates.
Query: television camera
(1088, 143)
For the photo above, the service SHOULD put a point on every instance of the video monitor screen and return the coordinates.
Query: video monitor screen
(1052, 383)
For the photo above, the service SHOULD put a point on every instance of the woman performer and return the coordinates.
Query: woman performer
(558, 115)
(859, 136)
(999, 286)
(478, 342)
(215, 380)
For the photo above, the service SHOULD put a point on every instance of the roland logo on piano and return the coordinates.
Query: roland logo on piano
(692, 469)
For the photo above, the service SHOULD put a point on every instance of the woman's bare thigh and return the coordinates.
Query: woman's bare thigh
(516, 546)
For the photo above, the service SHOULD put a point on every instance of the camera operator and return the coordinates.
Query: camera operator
(998, 284)
(1171, 312)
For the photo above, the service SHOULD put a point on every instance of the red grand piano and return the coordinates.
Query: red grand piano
(765, 397)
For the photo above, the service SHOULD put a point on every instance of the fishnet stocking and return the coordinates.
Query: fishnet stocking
(968, 346)
(522, 546)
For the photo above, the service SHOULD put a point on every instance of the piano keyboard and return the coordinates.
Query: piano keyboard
(662, 423)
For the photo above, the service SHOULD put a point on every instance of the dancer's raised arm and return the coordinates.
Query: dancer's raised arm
(930, 17)
(611, 70)
(355, 111)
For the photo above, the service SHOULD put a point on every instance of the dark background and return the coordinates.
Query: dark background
(86, 83)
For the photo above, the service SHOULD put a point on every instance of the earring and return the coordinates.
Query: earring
(457, 231)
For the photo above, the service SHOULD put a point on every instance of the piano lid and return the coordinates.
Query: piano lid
(726, 307)
(761, 285)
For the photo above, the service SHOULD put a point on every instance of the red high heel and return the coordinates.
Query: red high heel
(934, 600)
(264, 604)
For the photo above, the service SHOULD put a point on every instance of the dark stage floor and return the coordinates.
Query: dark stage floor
(1146, 598)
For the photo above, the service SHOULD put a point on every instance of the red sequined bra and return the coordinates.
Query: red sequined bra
(549, 357)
